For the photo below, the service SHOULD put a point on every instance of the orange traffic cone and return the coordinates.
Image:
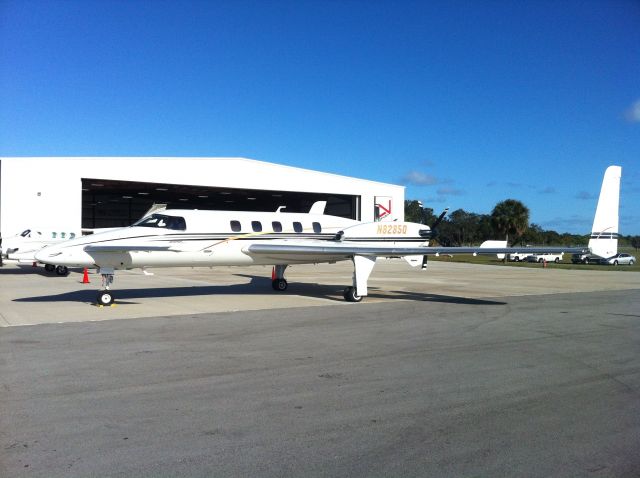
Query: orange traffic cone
(85, 276)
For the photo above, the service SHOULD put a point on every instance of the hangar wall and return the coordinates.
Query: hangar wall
(47, 192)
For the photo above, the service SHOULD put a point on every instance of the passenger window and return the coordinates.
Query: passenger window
(317, 228)
(63, 235)
(235, 226)
(54, 234)
(277, 227)
(256, 226)
(297, 227)
(72, 235)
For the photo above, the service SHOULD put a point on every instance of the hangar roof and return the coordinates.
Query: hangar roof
(206, 171)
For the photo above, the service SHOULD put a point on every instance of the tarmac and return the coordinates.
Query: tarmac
(30, 296)
(462, 370)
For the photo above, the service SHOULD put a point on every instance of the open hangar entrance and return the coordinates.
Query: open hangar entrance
(111, 203)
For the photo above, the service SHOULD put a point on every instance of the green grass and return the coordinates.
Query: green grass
(566, 264)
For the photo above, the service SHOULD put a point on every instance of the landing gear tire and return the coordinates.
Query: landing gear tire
(62, 270)
(279, 284)
(49, 267)
(105, 298)
(350, 295)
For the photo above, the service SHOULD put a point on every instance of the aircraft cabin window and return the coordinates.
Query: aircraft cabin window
(235, 226)
(25, 233)
(72, 235)
(317, 228)
(163, 221)
(277, 227)
(54, 234)
(256, 226)
(297, 227)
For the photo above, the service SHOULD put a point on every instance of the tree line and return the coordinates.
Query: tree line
(508, 220)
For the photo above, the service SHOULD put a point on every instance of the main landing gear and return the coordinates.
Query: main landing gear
(59, 270)
(278, 282)
(362, 267)
(350, 295)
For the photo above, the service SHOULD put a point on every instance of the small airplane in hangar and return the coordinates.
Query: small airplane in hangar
(178, 238)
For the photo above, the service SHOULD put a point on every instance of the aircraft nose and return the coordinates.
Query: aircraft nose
(46, 255)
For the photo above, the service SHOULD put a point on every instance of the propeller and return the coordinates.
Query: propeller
(439, 220)
(433, 234)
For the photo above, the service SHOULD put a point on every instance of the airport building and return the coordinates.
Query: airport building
(74, 193)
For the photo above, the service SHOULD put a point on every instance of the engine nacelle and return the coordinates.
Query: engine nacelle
(405, 233)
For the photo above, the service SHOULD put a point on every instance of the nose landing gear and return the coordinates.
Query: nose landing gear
(105, 297)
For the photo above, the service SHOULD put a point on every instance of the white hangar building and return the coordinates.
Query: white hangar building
(74, 193)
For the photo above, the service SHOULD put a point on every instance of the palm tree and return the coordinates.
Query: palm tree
(510, 217)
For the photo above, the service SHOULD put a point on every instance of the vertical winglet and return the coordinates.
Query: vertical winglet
(318, 207)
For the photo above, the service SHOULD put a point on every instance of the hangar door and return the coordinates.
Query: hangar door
(108, 203)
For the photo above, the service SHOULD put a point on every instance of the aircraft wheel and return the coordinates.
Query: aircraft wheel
(62, 270)
(279, 284)
(49, 267)
(105, 298)
(350, 295)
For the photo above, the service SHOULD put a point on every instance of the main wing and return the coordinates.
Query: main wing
(282, 249)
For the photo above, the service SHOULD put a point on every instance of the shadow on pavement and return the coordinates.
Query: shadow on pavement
(257, 286)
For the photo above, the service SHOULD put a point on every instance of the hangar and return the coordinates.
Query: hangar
(74, 193)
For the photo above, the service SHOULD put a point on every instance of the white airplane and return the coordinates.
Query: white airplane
(177, 238)
(21, 248)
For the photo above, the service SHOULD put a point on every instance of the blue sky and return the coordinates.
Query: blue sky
(466, 103)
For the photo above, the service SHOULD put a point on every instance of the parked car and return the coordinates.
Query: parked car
(585, 259)
(545, 257)
(620, 258)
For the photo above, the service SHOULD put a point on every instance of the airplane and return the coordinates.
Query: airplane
(178, 238)
(21, 248)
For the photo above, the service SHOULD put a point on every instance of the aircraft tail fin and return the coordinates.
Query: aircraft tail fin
(494, 244)
(604, 233)
(318, 207)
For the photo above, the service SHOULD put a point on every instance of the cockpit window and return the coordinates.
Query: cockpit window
(163, 221)
(25, 233)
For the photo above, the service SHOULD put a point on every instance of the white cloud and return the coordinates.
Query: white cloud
(451, 192)
(584, 195)
(417, 178)
(436, 199)
(573, 224)
(633, 113)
